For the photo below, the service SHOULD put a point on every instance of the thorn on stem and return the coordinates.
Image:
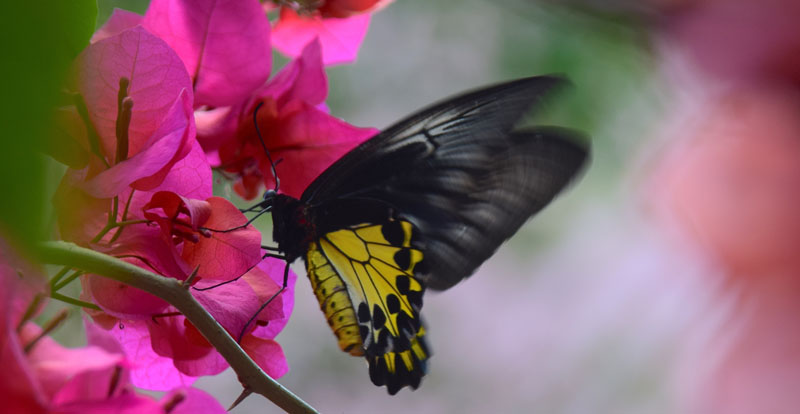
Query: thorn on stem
(245, 393)
(189, 280)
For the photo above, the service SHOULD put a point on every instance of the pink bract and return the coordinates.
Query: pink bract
(224, 255)
(340, 38)
(225, 45)
(170, 352)
(157, 77)
(119, 21)
(294, 129)
(162, 125)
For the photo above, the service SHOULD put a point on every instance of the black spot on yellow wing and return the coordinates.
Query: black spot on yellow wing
(364, 279)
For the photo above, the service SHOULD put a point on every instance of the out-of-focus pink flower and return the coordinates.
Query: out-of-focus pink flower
(41, 376)
(734, 180)
(732, 183)
(295, 130)
(740, 40)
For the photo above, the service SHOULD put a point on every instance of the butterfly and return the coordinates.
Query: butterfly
(420, 206)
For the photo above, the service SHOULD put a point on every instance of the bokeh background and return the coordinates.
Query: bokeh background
(667, 280)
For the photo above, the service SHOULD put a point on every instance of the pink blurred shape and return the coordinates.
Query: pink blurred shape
(732, 182)
(741, 40)
(45, 377)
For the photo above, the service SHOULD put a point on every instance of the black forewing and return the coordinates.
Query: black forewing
(458, 172)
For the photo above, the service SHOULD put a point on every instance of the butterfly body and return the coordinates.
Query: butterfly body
(421, 205)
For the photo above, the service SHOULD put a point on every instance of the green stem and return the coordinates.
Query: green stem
(124, 217)
(54, 280)
(127, 222)
(66, 281)
(172, 291)
(73, 301)
(111, 223)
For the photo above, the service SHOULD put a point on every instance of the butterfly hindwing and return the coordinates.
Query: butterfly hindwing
(364, 278)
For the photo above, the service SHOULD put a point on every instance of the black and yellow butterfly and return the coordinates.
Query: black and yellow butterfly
(421, 205)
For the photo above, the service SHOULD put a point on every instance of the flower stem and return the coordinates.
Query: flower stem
(70, 278)
(173, 291)
(57, 277)
(124, 217)
(73, 301)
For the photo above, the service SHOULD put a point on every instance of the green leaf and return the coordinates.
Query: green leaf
(39, 42)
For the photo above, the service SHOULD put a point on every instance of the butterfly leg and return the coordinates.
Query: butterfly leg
(265, 304)
(277, 256)
(250, 221)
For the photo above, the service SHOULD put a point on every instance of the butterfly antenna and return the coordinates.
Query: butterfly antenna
(264, 146)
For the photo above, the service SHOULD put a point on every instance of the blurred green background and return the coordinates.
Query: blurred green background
(574, 314)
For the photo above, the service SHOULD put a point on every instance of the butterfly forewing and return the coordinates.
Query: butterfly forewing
(459, 173)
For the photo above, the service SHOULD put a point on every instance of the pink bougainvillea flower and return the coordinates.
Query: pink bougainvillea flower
(145, 193)
(96, 379)
(731, 184)
(340, 37)
(183, 240)
(765, 33)
(218, 255)
(119, 21)
(225, 45)
(170, 352)
(296, 131)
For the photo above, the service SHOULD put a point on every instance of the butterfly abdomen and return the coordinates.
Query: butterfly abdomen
(334, 301)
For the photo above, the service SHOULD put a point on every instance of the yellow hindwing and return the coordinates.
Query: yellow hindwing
(363, 277)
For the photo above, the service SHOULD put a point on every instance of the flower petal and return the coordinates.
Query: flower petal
(310, 141)
(268, 354)
(122, 404)
(150, 370)
(302, 79)
(224, 44)
(157, 77)
(119, 21)
(224, 255)
(148, 168)
(340, 38)
(274, 268)
(194, 401)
